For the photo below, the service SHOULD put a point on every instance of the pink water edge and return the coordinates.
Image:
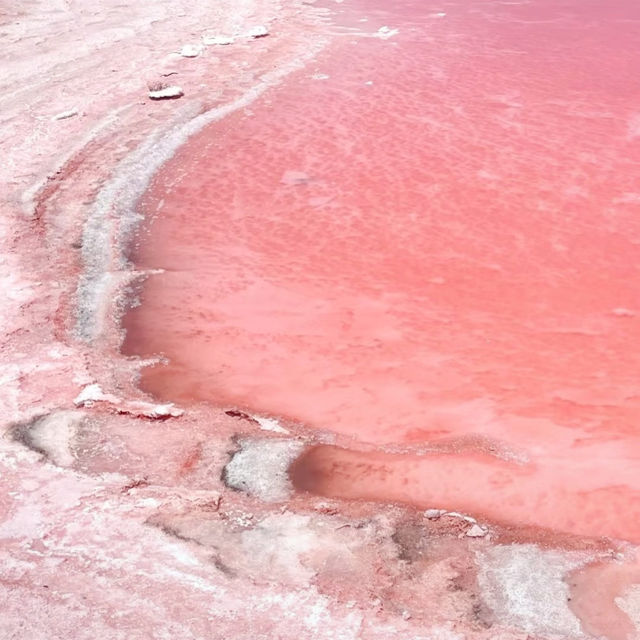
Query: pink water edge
(427, 243)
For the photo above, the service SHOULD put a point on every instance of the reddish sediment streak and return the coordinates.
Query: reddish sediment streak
(424, 241)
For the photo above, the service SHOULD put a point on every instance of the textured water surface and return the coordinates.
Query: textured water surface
(428, 244)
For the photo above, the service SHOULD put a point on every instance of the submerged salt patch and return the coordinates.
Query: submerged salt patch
(260, 468)
(525, 587)
(629, 602)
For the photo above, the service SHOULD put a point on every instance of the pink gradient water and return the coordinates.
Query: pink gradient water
(429, 245)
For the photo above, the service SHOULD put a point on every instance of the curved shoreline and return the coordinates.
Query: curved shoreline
(129, 183)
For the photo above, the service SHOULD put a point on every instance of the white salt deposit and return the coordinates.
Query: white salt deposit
(270, 424)
(93, 393)
(385, 32)
(190, 50)
(629, 602)
(54, 436)
(260, 468)
(282, 541)
(476, 531)
(461, 516)
(66, 114)
(259, 31)
(113, 216)
(167, 93)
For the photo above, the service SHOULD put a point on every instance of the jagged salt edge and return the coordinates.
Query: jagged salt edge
(122, 192)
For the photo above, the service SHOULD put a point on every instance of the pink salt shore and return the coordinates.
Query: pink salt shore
(273, 489)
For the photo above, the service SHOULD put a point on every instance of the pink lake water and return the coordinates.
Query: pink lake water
(429, 246)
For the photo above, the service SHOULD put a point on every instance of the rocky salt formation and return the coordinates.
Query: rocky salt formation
(122, 518)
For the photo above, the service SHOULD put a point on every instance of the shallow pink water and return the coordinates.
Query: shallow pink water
(435, 247)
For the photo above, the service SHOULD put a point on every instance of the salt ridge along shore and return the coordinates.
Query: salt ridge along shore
(114, 524)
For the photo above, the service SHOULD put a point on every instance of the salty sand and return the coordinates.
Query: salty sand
(116, 524)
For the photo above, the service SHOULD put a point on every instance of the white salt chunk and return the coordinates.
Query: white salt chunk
(55, 434)
(385, 33)
(93, 393)
(190, 50)
(166, 93)
(258, 32)
(90, 394)
(269, 424)
(66, 114)
(476, 531)
(455, 514)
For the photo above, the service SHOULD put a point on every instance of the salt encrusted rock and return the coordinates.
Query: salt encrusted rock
(434, 514)
(476, 531)
(221, 40)
(190, 50)
(258, 32)
(462, 516)
(167, 93)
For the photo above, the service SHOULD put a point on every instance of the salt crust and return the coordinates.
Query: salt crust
(54, 436)
(524, 586)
